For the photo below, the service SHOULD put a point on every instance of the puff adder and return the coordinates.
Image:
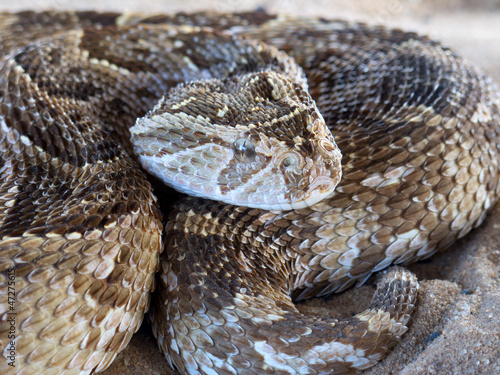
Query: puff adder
(380, 147)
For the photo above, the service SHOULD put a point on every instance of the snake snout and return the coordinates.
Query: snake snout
(322, 172)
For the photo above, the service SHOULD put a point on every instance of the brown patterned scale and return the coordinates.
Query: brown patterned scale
(80, 228)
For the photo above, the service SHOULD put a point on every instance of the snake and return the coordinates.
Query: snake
(215, 170)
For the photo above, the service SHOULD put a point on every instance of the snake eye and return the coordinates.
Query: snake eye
(244, 150)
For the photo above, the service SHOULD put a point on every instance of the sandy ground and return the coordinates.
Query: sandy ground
(456, 329)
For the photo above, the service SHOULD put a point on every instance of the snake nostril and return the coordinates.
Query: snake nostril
(290, 161)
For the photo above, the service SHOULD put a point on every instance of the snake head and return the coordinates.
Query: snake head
(257, 140)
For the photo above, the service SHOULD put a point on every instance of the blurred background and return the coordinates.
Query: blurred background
(472, 28)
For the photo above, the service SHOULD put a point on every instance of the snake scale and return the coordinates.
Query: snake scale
(227, 116)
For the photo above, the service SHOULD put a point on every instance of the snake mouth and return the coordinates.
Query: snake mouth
(318, 185)
(319, 189)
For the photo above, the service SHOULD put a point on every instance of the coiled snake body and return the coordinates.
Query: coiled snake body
(81, 232)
